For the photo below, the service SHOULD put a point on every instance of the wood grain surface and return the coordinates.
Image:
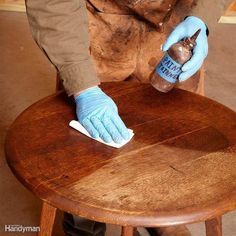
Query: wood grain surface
(47, 218)
(214, 227)
(12, 5)
(179, 167)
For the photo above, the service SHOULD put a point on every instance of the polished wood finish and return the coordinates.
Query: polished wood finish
(179, 167)
(12, 5)
(47, 218)
(214, 227)
(127, 231)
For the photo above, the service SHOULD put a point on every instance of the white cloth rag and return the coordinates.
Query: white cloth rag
(76, 125)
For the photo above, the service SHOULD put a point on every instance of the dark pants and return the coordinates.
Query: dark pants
(78, 226)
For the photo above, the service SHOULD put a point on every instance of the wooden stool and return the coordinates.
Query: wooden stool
(179, 168)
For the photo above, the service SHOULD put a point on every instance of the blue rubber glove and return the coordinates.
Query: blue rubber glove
(99, 115)
(186, 29)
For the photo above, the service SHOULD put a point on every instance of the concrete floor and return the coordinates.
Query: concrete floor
(26, 76)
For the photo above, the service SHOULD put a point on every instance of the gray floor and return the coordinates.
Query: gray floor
(26, 76)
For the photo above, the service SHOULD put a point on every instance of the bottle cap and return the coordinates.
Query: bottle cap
(191, 41)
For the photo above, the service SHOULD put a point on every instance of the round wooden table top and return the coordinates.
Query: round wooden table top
(178, 168)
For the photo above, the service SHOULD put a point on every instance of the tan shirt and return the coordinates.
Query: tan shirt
(60, 29)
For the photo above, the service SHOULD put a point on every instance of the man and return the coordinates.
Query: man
(125, 41)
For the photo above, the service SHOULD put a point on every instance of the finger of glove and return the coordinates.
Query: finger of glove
(187, 74)
(103, 134)
(176, 35)
(195, 59)
(121, 127)
(112, 130)
(90, 128)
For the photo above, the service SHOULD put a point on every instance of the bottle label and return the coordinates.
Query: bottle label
(169, 69)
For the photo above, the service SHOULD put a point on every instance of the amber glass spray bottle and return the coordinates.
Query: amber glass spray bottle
(168, 70)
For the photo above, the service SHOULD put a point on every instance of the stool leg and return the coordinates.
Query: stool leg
(47, 218)
(128, 231)
(214, 227)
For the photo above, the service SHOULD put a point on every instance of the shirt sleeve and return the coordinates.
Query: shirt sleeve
(60, 28)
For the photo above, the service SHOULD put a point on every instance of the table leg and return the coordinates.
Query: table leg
(214, 227)
(47, 218)
(128, 231)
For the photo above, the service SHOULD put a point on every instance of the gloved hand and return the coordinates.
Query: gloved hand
(186, 29)
(99, 115)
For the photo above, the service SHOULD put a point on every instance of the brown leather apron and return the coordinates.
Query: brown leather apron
(126, 37)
